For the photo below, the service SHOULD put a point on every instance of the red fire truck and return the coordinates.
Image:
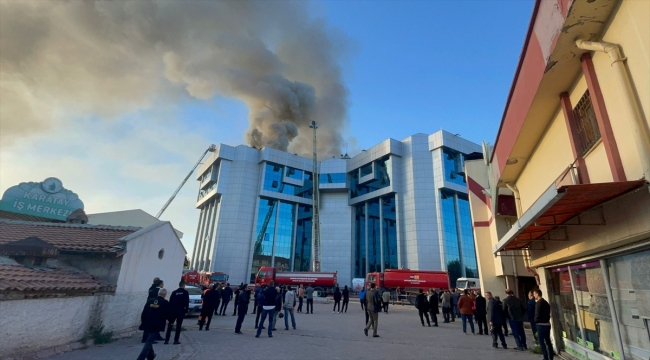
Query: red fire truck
(207, 278)
(191, 277)
(409, 281)
(295, 278)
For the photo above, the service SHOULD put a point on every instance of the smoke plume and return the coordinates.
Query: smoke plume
(107, 58)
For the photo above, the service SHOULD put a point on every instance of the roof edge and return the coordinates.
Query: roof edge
(531, 26)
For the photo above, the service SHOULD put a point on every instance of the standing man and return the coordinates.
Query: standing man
(217, 298)
(301, 295)
(373, 308)
(236, 297)
(179, 304)
(543, 320)
(433, 306)
(209, 304)
(446, 305)
(515, 308)
(480, 313)
(242, 301)
(268, 308)
(455, 296)
(152, 294)
(337, 299)
(309, 294)
(385, 297)
(362, 299)
(226, 295)
(530, 313)
(495, 318)
(422, 304)
(289, 305)
(153, 319)
(465, 304)
(259, 303)
(346, 299)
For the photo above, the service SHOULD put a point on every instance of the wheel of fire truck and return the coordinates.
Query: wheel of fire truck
(411, 299)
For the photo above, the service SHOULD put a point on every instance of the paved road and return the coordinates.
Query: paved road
(322, 335)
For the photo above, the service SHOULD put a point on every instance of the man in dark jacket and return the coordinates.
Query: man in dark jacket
(179, 304)
(495, 318)
(530, 313)
(209, 303)
(217, 300)
(242, 302)
(346, 298)
(259, 303)
(515, 308)
(374, 305)
(422, 304)
(480, 313)
(152, 294)
(543, 320)
(226, 296)
(268, 308)
(236, 297)
(433, 306)
(153, 317)
(455, 313)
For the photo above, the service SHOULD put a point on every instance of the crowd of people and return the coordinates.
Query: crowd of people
(490, 313)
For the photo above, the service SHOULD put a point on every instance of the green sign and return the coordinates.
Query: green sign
(47, 199)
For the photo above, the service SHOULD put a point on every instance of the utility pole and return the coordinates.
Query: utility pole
(315, 229)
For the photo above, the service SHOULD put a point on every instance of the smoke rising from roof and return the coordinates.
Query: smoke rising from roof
(108, 58)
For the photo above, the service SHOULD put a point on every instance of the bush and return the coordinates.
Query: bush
(98, 335)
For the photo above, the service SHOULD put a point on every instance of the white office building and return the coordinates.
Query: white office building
(399, 204)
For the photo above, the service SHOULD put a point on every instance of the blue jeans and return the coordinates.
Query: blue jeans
(544, 338)
(287, 312)
(266, 313)
(518, 332)
(147, 350)
(465, 319)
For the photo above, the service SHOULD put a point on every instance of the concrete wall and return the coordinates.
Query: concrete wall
(140, 263)
(31, 325)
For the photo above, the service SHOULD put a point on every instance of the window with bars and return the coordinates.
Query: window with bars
(585, 118)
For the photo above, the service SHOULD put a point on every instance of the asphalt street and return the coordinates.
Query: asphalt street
(323, 335)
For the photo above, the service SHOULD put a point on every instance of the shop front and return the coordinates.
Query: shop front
(601, 308)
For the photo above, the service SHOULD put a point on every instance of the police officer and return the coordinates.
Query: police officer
(153, 318)
(179, 304)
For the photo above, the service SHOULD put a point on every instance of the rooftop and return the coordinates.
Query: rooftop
(67, 237)
(19, 278)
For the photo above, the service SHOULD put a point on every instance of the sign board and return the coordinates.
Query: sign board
(47, 199)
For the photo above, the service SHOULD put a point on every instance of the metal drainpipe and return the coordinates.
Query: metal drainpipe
(640, 131)
(612, 308)
(515, 191)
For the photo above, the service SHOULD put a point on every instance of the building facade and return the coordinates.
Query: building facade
(573, 150)
(399, 204)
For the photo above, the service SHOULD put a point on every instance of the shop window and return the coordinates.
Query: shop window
(586, 122)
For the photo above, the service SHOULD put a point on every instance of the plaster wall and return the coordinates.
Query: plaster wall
(630, 29)
(597, 165)
(105, 268)
(551, 157)
(140, 263)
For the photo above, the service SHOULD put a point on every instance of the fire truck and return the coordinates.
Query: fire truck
(191, 277)
(207, 278)
(295, 278)
(408, 281)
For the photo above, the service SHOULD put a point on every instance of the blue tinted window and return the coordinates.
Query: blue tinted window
(366, 169)
(293, 173)
(389, 231)
(265, 230)
(360, 241)
(452, 252)
(302, 253)
(284, 236)
(469, 249)
(374, 240)
(453, 166)
(334, 178)
(382, 179)
(273, 181)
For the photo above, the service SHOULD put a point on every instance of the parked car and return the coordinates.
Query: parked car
(195, 300)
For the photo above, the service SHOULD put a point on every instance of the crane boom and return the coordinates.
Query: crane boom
(211, 148)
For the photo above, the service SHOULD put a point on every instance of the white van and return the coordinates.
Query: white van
(468, 283)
